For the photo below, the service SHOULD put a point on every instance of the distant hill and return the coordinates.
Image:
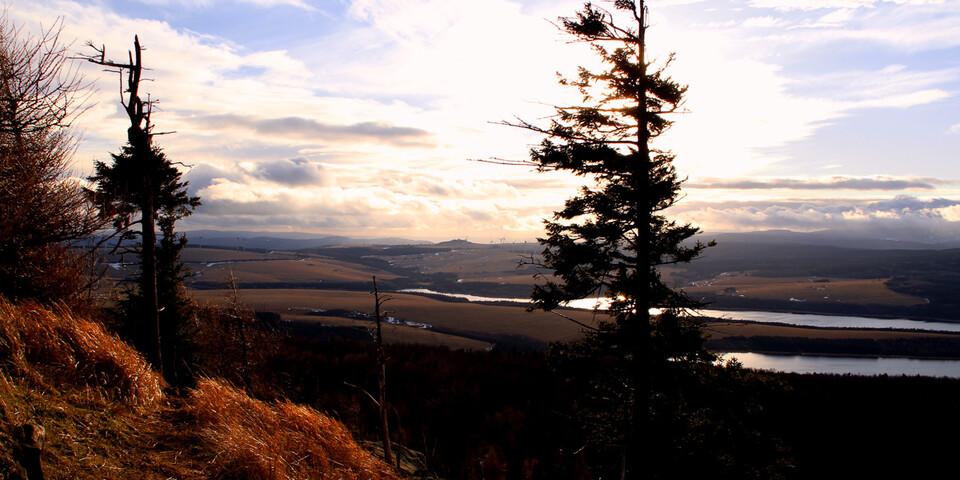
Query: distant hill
(301, 240)
(285, 240)
(459, 243)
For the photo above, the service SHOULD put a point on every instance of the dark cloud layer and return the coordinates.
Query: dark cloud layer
(294, 172)
(833, 183)
(305, 128)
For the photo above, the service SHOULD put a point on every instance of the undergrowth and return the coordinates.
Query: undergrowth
(97, 410)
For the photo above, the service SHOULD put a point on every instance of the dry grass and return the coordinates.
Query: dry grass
(54, 348)
(252, 439)
(90, 437)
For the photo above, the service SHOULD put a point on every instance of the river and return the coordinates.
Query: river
(804, 363)
(799, 319)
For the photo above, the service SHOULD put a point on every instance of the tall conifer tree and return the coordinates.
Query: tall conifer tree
(611, 238)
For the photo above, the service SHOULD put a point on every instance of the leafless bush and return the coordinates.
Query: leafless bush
(44, 209)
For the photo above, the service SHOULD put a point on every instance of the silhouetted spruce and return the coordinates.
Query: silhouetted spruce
(124, 193)
(611, 238)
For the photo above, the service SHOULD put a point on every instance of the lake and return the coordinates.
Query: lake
(852, 365)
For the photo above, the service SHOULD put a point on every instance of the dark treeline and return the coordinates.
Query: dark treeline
(517, 414)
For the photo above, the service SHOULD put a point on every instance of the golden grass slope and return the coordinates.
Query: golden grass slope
(94, 397)
(279, 441)
(103, 414)
(52, 347)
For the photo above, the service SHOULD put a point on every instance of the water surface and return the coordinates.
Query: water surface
(851, 365)
(799, 319)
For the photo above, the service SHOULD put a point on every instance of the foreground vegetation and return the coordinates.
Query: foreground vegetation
(508, 414)
(77, 402)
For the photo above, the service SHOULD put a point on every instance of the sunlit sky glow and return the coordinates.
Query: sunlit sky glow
(359, 117)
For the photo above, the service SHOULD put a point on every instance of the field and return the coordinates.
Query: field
(474, 321)
(399, 334)
(494, 264)
(207, 255)
(472, 326)
(328, 286)
(871, 291)
(724, 329)
(303, 270)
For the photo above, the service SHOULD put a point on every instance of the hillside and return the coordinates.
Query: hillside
(78, 403)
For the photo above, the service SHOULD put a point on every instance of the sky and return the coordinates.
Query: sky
(364, 117)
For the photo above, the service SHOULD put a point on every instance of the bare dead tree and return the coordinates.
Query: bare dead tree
(40, 90)
(140, 138)
(378, 302)
(241, 319)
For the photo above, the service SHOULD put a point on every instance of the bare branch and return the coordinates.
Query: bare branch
(565, 317)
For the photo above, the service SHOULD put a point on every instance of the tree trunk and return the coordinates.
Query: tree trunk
(640, 436)
(30, 449)
(382, 379)
(151, 321)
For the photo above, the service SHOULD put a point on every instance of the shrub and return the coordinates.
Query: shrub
(45, 211)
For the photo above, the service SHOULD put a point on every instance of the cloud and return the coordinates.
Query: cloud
(203, 175)
(902, 217)
(300, 4)
(909, 26)
(232, 204)
(309, 129)
(295, 171)
(892, 86)
(954, 129)
(822, 4)
(764, 22)
(832, 183)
